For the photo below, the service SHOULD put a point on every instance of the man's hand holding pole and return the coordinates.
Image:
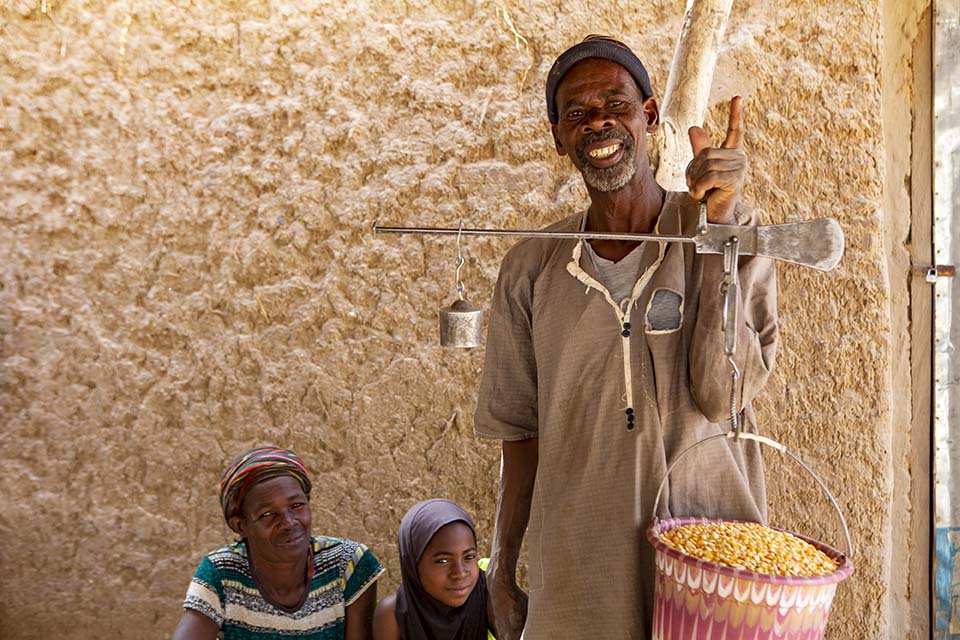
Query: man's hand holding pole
(717, 174)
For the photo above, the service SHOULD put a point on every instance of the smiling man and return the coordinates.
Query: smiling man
(605, 360)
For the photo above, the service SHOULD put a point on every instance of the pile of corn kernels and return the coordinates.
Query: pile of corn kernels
(750, 546)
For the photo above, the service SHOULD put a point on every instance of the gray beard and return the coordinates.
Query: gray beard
(611, 178)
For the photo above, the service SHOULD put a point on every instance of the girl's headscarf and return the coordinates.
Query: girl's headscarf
(255, 465)
(420, 616)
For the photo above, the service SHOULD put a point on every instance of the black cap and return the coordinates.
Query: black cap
(595, 47)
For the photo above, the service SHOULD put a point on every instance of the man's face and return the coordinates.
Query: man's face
(602, 116)
(275, 519)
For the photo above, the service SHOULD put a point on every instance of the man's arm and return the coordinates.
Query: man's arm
(507, 604)
(716, 175)
(757, 337)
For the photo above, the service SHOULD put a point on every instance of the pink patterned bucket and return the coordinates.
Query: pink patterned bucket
(699, 600)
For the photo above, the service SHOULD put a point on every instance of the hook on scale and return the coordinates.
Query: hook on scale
(461, 323)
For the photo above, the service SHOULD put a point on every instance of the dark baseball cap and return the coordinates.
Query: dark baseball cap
(594, 46)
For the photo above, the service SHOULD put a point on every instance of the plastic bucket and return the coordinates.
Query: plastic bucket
(696, 599)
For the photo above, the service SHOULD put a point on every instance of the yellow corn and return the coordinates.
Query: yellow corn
(750, 546)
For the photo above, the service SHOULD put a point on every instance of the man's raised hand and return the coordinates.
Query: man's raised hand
(717, 174)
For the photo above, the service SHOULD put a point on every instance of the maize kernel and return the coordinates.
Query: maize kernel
(750, 546)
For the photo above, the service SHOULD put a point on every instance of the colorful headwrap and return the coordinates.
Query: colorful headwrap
(255, 465)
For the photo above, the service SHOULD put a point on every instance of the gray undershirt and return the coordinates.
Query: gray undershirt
(618, 277)
(664, 313)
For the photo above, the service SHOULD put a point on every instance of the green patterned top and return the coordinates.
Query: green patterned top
(224, 589)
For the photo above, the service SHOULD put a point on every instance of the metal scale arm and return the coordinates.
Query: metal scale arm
(813, 243)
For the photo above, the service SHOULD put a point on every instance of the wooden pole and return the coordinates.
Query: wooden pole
(688, 87)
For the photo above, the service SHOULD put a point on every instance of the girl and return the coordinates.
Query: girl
(443, 592)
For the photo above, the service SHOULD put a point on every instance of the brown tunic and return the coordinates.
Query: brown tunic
(559, 368)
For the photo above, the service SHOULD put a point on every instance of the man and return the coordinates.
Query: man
(605, 360)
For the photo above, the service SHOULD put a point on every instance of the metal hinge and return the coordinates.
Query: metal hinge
(931, 273)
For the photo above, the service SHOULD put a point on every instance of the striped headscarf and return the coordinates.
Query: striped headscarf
(255, 465)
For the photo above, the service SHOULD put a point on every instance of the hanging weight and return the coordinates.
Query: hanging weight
(461, 325)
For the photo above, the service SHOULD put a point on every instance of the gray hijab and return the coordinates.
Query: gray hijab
(420, 616)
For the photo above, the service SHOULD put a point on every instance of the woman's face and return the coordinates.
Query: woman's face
(448, 567)
(275, 519)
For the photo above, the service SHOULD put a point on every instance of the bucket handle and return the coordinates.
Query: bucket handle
(771, 443)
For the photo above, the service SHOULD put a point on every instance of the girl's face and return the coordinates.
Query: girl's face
(448, 567)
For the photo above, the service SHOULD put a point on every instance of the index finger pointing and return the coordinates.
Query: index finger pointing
(735, 125)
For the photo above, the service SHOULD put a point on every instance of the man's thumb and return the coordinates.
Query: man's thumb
(699, 140)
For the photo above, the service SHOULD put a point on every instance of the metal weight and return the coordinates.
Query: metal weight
(461, 324)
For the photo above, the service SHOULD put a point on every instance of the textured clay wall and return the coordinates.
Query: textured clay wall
(187, 270)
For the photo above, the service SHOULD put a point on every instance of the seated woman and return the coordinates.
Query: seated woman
(278, 580)
(443, 592)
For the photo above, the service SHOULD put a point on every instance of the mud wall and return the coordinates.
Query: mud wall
(187, 269)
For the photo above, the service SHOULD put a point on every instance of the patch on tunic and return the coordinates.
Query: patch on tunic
(664, 311)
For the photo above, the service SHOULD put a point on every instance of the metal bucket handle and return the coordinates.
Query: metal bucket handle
(772, 443)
